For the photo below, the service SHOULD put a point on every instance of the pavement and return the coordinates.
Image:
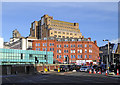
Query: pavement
(59, 77)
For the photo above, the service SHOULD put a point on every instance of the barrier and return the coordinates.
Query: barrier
(106, 73)
(100, 71)
(94, 71)
(117, 72)
(90, 71)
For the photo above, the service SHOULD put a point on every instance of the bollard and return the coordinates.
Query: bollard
(94, 71)
(100, 71)
(117, 72)
(106, 73)
(90, 71)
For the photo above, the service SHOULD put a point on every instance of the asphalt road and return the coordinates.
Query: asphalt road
(77, 77)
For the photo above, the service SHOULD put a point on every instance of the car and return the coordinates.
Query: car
(64, 68)
(111, 72)
(84, 69)
(77, 67)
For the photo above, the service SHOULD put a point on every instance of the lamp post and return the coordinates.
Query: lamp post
(46, 44)
(108, 62)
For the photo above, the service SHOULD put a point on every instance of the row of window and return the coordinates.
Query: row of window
(52, 44)
(66, 51)
(74, 45)
(45, 44)
(63, 33)
(73, 51)
(62, 26)
(73, 56)
(62, 23)
(59, 36)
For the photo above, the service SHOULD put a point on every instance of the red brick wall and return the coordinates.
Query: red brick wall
(95, 49)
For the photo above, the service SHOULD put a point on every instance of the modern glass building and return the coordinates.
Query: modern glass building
(15, 56)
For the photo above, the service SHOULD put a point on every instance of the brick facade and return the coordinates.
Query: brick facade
(61, 49)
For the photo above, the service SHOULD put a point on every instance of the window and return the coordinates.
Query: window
(55, 31)
(72, 51)
(85, 45)
(57, 51)
(57, 56)
(80, 56)
(59, 36)
(36, 48)
(81, 46)
(70, 33)
(67, 33)
(51, 44)
(74, 45)
(64, 45)
(57, 46)
(63, 32)
(39, 49)
(90, 46)
(67, 51)
(90, 56)
(64, 56)
(85, 50)
(50, 49)
(80, 50)
(71, 46)
(85, 56)
(55, 35)
(63, 36)
(90, 51)
(67, 45)
(36, 44)
(44, 44)
(71, 56)
(51, 32)
(59, 32)
(67, 37)
(64, 51)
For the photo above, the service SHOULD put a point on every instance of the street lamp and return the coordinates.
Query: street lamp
(108, 62)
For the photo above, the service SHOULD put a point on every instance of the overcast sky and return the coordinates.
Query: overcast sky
(98, 20)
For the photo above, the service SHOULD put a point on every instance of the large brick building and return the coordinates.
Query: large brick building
(49, 27)
(75, 50)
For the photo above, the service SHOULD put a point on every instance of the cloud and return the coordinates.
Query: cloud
(115, 41)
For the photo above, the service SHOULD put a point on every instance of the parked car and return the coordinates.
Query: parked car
(78, 67)
(64, 68)
(84, 69)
